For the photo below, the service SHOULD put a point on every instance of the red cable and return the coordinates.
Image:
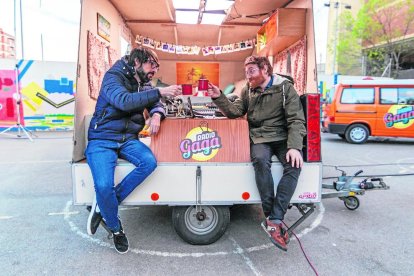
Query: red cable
(303, 251)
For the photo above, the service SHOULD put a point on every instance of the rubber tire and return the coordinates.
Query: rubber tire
(351, 202)
(349, 131)
(179, 223)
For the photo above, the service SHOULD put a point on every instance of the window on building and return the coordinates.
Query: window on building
(358, 96)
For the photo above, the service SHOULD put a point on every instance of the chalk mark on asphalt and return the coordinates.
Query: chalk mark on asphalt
(34, 162)
(63, 213)
(246, 259)
(67, 214)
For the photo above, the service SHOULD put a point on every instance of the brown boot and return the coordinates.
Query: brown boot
(285, 235)
(275, 234)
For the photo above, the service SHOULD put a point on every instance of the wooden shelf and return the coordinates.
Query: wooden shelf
(284, 27)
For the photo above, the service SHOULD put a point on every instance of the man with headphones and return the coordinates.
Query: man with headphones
(126, 92)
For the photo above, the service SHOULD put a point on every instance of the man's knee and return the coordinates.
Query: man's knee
(104, 190)
(261, 162)
(151, 162)
(152, 165)
(291, 171)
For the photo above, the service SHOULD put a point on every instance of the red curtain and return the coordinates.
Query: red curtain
(298, 57)
(113, 56)
(280, 63)
(296, 54)
(96, 64)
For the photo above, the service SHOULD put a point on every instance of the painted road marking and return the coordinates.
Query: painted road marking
(240, 250)
(247, 260)
(6, 217)
(128, 208)
(63, 213)
(35, 162)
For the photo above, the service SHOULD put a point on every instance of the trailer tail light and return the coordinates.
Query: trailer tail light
(155, 196)
(312, 142)
(331, 119)
(245, 195)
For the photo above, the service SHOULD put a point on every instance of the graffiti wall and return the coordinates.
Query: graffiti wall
(43, 92)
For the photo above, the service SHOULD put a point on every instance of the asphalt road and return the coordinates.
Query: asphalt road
(42, 233)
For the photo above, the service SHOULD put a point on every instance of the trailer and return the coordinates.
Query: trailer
(347, 190)
(204, 163)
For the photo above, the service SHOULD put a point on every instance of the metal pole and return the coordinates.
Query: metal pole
(335, 38)
(41, 44)
(41, 34)
(21, 28)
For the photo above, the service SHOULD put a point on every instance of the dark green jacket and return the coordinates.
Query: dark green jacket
(274, 114)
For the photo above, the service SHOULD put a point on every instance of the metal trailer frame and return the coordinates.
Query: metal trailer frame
(204, 191)
(347, 190)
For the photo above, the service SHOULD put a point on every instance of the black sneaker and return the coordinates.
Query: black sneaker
(120, 241)
(94, 218)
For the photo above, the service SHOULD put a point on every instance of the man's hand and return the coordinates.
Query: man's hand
(213, 91)
(294, 156)
(155, 123)
(170, 91)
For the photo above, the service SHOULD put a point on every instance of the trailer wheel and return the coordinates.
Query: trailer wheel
(357, 134)
(200, 227)
(351, 202)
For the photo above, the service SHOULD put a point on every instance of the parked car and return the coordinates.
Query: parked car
(359, 109)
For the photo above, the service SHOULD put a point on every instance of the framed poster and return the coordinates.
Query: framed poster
(104, 28)
(191, 72)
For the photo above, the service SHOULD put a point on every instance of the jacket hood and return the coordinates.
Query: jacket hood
(122, 67)
(279, 79)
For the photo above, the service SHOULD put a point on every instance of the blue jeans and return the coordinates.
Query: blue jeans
(102, 158)
(274, 206)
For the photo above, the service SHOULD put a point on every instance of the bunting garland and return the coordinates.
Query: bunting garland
(194, 50)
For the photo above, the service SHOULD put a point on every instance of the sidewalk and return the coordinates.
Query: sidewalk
(21, 150)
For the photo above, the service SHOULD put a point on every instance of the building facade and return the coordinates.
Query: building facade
(7, 45)
(336, 8)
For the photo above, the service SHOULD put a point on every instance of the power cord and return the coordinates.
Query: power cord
(297, 238)
(303, 251)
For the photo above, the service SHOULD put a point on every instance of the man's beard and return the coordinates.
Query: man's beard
(256, 81)
(144, 77)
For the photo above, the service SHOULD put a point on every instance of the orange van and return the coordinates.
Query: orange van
(359, 109)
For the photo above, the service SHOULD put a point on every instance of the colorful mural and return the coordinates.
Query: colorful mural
(47, 92)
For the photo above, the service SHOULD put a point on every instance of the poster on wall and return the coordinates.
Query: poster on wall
(104, 28)
(191, 72)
